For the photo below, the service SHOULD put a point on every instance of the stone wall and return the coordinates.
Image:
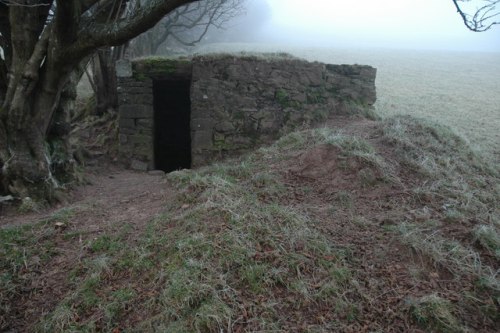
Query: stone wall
(239, 102)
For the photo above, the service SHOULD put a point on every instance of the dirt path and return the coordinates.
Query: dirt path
(114, 198)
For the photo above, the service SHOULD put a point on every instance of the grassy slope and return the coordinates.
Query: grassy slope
(401, 231)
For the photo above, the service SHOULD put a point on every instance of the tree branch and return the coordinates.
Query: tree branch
(482, 19)
(189, 24)
(19, 3)
(117, 33)
(68, 16)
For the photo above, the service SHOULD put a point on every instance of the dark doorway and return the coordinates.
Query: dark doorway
(172, 124)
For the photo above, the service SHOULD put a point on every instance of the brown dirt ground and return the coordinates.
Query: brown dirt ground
(113, 197)
(388, 272)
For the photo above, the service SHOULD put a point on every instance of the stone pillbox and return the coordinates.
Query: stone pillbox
(209, 107)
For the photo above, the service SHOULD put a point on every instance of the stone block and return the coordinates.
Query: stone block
(225, 127)
(143, 153)
(126, 123)
(241, 141)
(139, 165)
(145, 131)
(141, 139)
(267, 125)
(136, 111)
(200, 111)
(145, 99)
(199, 159)
(145, 123)
(123, 139)
(145, 89)
(313, 78)
(156, 173)
(127, 131)
(201, 140)
(299, 97)
(219, 137)
(202, 124)
(249, 110)
(123, 68)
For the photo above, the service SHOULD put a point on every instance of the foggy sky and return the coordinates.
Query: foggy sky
(407, 24)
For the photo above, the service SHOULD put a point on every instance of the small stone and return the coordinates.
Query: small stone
(139, 165)
(156, 173)
(224, 127)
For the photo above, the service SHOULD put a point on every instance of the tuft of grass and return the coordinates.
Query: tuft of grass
(248, 55)
(489, 238)
(28, 205)
(421, 138)
(344, 199)
(449, 168)
(451, 255)
(63, 216)
(106, 243)
(435, 313)
(23, 250)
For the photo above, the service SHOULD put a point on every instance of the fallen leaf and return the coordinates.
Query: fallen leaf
(60, 225)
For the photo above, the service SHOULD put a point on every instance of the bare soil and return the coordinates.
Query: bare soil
(113, 197)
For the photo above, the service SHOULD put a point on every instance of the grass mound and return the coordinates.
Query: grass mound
(293, 237)
(227, 253)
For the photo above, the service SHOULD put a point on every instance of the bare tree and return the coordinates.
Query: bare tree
(187, 26)
(479, 15)
(42, 42)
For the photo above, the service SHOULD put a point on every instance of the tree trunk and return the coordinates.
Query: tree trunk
(25, 157)
(104, 77)
(43, 41)
(37, 78)
(105, 81)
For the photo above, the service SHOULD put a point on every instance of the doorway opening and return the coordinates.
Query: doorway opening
(172, 130)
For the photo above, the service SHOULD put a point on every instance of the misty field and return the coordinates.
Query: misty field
(459, 89)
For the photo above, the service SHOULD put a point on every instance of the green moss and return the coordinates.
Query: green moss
(281, 96)
(316, 96)
(239, 115)
(155, 66)
(284, 100)
(251, 56)
(139, 76)
(319, 115)
(220, 143)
